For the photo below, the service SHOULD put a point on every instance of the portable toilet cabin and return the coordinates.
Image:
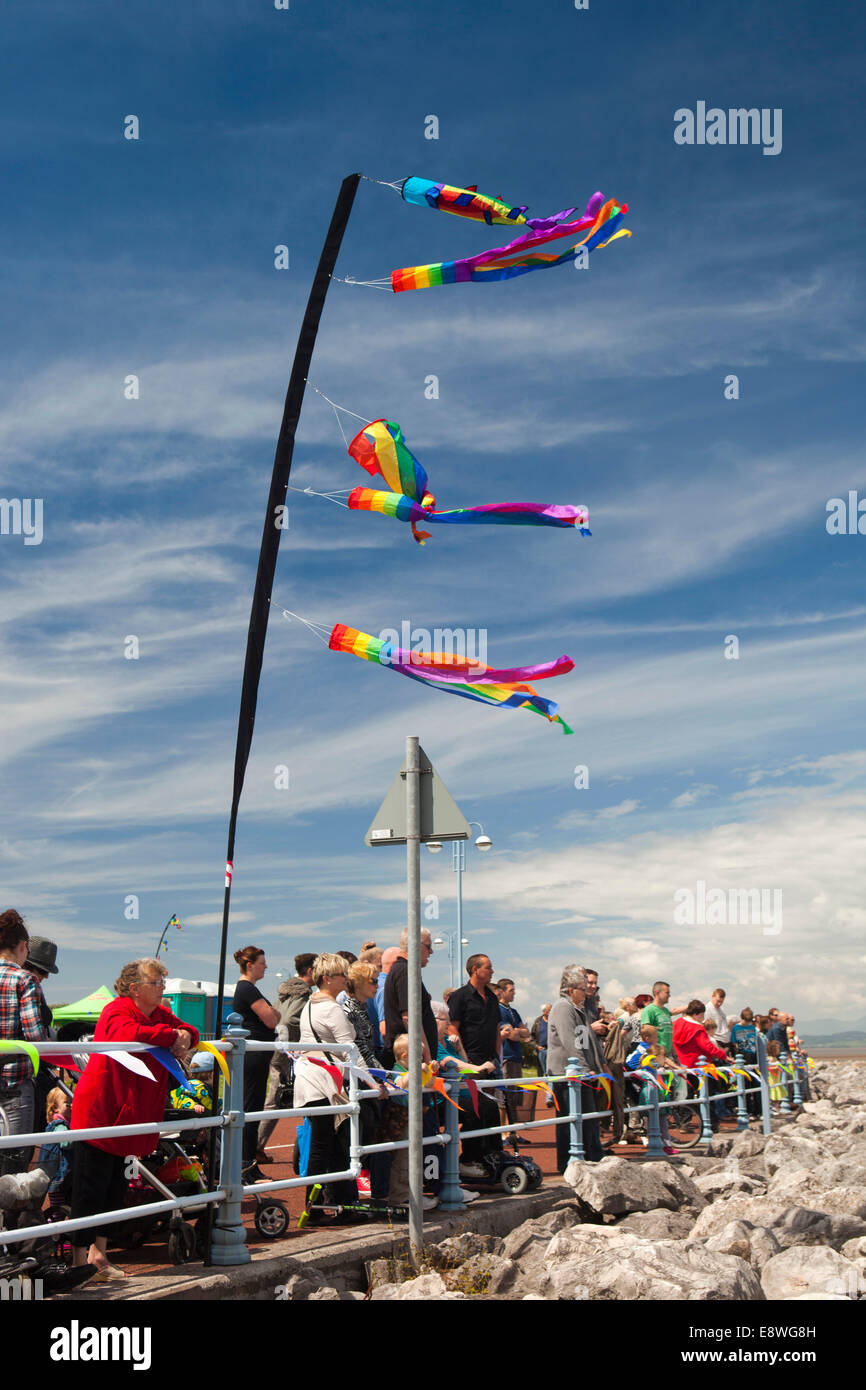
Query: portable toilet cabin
(209, 990)
(188, 1001)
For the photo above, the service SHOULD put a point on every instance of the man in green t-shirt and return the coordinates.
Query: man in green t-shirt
(660, 1016)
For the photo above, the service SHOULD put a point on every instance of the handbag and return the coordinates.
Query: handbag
(302, 1148)
(285, 1095)
(615, 1046)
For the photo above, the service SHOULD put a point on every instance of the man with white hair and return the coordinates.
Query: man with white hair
(396, 1000)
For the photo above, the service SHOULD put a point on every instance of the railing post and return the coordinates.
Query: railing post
(707, 1128)
(450, 1194)
(575, 1112)
(786, 1100)
(655, 1149)
(798, 1085)
(228, 1243)
(766, 1108)
(354, 1059)
(742, 1107)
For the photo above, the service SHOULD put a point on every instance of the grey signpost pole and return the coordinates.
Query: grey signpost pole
(413, 923)
(418, 808)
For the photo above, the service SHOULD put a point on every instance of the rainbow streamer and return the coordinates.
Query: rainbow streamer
(600, 225)
(380, 448)
(505, 688)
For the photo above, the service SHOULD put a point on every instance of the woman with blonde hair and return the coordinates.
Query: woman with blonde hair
(360, 989)
(316, 1084)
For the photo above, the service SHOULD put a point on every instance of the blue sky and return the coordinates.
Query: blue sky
(604, 387)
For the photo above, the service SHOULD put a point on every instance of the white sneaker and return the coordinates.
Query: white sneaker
(472, 1170)
(429, 1203)
(468, 1196)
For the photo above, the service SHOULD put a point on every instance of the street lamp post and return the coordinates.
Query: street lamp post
(448, 940)
(458, 864)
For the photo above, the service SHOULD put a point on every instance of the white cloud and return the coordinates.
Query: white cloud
(688, 798)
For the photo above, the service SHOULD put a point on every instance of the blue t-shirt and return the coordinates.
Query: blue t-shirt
(512, 1048)
(743, 1039)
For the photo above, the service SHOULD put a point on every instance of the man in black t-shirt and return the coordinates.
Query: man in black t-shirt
(396, 1001)
(474, 1012)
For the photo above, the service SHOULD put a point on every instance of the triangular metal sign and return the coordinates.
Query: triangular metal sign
(441, 817)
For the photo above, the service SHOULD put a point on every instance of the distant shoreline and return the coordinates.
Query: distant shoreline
(836, 1052)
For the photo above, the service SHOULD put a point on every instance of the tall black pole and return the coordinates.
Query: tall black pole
(270, 546)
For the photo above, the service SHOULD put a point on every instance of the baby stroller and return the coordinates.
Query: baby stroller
(175, 1169)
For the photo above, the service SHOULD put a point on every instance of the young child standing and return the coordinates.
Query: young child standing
(649, 1047)
(54, 1157)
(778, 1090)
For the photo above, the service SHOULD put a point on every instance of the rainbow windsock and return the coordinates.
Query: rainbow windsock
(601, 224)
(380, 447)
(364, 499)
(458, 676)
(468, 202)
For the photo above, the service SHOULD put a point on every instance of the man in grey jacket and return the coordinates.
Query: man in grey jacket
(569, 1034)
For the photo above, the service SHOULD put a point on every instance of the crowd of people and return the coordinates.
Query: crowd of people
(343, 998)
(337, 998)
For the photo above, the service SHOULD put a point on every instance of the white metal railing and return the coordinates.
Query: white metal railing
(230, 1190)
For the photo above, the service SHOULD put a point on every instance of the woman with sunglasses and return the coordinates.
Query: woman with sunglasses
(110, 1094)
(319, 1080)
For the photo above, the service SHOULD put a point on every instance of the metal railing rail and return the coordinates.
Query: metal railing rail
(229, 1246)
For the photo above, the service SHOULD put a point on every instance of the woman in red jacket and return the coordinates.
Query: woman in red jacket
(110, 1094)
(691, 1039)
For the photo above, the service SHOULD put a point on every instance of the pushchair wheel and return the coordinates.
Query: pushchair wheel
(271, 1219)
(181, 1243)
(514, 1180)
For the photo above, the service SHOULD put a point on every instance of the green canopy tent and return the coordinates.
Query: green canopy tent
(86, 1010)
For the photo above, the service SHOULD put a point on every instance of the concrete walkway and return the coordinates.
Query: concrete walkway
(320, 1255)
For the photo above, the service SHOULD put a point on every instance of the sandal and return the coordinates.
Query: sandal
(103, 1276)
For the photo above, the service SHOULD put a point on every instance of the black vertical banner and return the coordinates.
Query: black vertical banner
(271, 535)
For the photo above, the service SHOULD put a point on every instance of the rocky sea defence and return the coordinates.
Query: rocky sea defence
(750, 1217)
